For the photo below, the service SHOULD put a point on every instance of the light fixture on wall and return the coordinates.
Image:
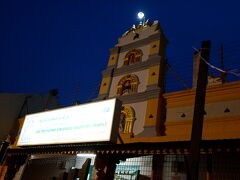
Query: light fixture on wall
(86, 155)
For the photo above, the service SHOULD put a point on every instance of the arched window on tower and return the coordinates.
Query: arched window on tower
(127, 84)
(133, 56)
(127, 120)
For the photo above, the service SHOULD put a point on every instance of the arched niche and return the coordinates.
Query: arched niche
(127, 120)
(127, 84)
(133, 56)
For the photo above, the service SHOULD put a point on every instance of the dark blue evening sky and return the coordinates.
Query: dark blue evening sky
(47, 44)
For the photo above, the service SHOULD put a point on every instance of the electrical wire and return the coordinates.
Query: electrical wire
(177, 76)
(218, 69)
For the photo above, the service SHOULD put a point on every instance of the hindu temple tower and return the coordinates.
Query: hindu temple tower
(136, 75)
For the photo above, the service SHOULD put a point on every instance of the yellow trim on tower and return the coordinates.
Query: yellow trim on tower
(152, 113)
(153, 75)
(105, 85)
(112, 59)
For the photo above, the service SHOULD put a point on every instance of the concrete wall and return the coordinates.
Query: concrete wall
(11, 108)
(10, 105)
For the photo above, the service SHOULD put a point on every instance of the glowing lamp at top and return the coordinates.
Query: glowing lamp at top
(140, 15)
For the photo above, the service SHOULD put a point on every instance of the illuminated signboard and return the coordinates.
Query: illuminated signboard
(91, 122)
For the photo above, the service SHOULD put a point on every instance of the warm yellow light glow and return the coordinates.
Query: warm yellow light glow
(86, 155)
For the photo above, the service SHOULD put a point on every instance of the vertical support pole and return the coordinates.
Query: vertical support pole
(75, 94)
(221, 56)
(3, 150)
(157, 167)
(209, 167)
(198, 116)
(100, 167)
(105, 166)
(111, 167)
(223, 75)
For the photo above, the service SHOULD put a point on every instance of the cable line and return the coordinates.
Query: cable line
(177, 76)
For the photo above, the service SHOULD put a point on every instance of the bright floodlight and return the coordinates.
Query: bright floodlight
(140, 15)
(86, 155)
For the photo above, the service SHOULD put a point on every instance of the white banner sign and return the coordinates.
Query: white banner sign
(90, 122)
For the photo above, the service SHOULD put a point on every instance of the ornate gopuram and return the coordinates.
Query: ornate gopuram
(136, 75)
